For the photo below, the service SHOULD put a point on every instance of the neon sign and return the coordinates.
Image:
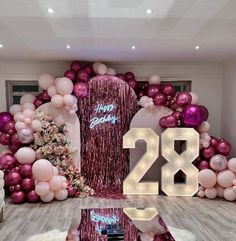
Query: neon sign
(106, 118)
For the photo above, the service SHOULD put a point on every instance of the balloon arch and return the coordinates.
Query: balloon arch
(38, 163)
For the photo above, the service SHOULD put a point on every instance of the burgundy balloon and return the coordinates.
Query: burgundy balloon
(44, 97)
(141, 93)
(11, 188)
(70, 74)
(214, 141)
(183, 99)
(132, 83)
(170, 121)
(27, 184)
(4, 118)
(37, 102)
(129, 75)
(7, 161)
(71, 191)
(177, 115)
(162, 122)
(18, 197)
(17, 188)
(159, 99)
(81, 89)
(75, 66)
(26, 170)
(13, 178)
(205, 112)
(15, 140)
(192, 116)
(32, 197)
(9, 127)
(14, 148)
(223, 147)
(82, 75)
(168, 89)
(203, 164)
(88, 68)
(121, 76)
(208, 153)
(153, 90)
(5, 139)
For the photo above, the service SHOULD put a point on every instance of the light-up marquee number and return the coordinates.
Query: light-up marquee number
(179, 162)
(106, 118)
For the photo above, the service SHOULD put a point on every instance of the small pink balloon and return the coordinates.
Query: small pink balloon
(57, 101)
(64, 185)
(44, 96)
(232, 165)
(203, 164)
(207, 178)
(170, 121)
(42, 170)
(48, 197)
(211, 193)
(55, 183)
(15, 140)
(214, 141)
(219, 190)
(229, 194)
(223, 147)
(218, 163)
(194, 98)
(61, 194)
(32, 197)
(52, 91)
(225, 178)
(71, 191)
(201, 194)
(28, 121)
(37, 102)
(42, 188)
(208, 152)
(68, 99)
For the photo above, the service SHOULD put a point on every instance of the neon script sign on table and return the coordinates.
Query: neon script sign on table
(106, 118)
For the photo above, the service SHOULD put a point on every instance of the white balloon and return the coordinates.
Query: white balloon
(46, 80)
(205, 144)
(154, 79)
(25, 155)
(19, 117)
(111, 71)
(29, 113)
(20, 125)
(61, 194)
(204, 127)
(36, 125)
(27, 98)
(95, 66)
(194, 98)
(68, 99)
(64, 86)
(101, 69)
(15, 109)
(28, 106)
(52, 90)
(57, 101)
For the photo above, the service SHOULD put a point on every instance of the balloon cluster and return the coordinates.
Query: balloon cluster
(2, 192)
(48, 183)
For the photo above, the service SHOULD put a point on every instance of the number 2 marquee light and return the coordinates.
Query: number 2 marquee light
(176, 162)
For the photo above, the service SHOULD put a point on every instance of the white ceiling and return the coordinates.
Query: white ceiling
(106, 30)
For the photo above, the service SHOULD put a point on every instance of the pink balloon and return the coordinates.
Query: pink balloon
(218, 163)
(5, 139)
(25, 155)
(192, 116)
(183, 99)
(159, 99)
(55, 183)
(29, 106)
(26, 170)
(225, 178)
(27, 184)
(214, 141)
(13, 178)
(18, 197)
(168, 89)
(36, 125)
(208, 152)
(229, 194)
(42, 170)
(25, 135)
(61, 194)
(76, 66)
(7, 161)
(232, 165)
(48, 197)
(153, 90)
(71, 191)
(81, 89)
(219, 190)
(162, 122)
(42, 188)
(44, 96)
(20, 125)
(82, 75)
(57, 101)
(68, 99)
(223, 147)
(170, 121)
(207, 178)
(37, 102)
(9, 127)
(211, 193)
(203, 164)
(27, 98)
(52, 91)
(201, 194)
(70, 74)
(32, 197)
(46, 80)
(64, 86)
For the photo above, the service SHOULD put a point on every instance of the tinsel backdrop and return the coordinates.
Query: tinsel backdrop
(104, 162)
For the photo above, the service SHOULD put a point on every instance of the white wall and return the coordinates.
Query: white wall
(206, 79)
(228, 125)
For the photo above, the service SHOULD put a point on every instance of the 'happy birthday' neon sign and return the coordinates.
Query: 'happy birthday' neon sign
(106, 118)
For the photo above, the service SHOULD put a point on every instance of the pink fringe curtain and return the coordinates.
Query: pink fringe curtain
(104, 162)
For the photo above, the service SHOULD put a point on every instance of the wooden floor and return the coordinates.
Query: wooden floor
(208, 220)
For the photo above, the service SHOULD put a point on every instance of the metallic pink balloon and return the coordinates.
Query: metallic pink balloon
(214, 141)
(18, 197)
(159, 99)
(27, 184)
(81, 89)
(183, 99)
(153, 90)
(133, 83)
(9, 127)
(5, 139)
(208, 153)
(75, 66)
(17, 188)
(26, 170)
(88, 68)
(7, 161)
(170, 121)
(70, 74)
(168, 89)
(37, 102)
(71, 191)
(192, 116)
(4, 118)
(15, 140)
(177, 115)
(129, 75)
(223, 147)
(32, 197)
(162, 122)
(121, 76)
(205, 112)
(203, 164)
(13, 178)
(25, 135)
(44, 97)
(82, 75)
(14, 148)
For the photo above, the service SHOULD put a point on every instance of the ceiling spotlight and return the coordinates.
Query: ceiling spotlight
(133, 47)
(197, 47)
(50, 10)
(1, 46)
(68, 46)
(149, 11)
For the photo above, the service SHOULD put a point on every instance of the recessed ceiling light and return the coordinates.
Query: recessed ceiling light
(133, 47)
(197, 47)
(50, 10)
(68, 46)
(1, 46)
(148, 11)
